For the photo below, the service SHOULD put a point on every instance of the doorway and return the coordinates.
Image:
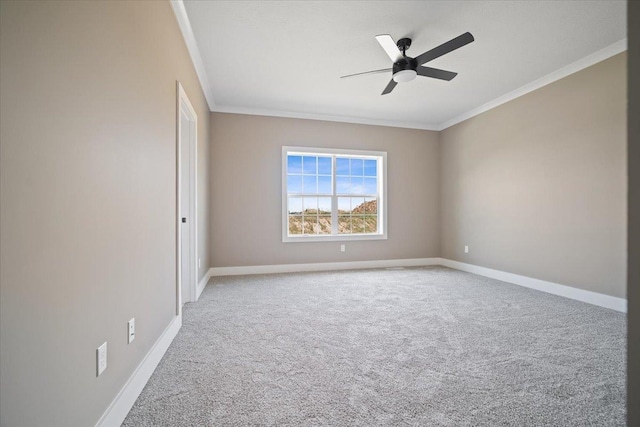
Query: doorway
(187, 259)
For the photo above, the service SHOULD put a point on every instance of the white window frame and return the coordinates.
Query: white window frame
(382, 195)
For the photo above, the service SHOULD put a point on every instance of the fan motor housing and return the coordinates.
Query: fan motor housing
(405, 64)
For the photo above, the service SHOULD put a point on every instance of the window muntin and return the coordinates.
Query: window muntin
(333, 194)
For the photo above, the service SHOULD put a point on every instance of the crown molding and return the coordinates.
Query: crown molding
(323, 117)
(574, 67)
(190, 40)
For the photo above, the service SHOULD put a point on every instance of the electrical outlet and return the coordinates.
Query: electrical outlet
(343, 248)
(101, 359)
(132, 329)
(466, 249)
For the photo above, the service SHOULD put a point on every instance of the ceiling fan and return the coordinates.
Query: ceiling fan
(406, 68)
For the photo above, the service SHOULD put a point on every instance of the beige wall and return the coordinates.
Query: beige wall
(246, 164)
(537, 186)
(87, 198)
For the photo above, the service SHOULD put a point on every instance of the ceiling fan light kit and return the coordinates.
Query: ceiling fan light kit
(406, 68)
(404, 76)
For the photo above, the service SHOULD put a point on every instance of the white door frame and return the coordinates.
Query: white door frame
(183, 105)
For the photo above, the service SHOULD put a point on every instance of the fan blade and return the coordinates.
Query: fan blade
(389, 87)
(447, 47)
(435, 73)
(390, 47)
(384, 70)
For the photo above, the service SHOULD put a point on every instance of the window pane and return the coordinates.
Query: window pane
(295, 205)
(342, 166)
(344, 225)
(310, 205)
(357, 185)
(343, 185)
(357, 205)
(294, 164)
(357, 224)
(370, 224)
(344, 205)
(324, 185)
(324, 224)
(310, 225)
(370, 168)
(309, 164)
(310, 185)
(357, 167)
(295, 225)
(371, 206)
(294, 184)
(324, 165)
(370, 186)
(324, 205)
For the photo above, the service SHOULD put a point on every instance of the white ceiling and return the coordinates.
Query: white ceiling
(285, 58)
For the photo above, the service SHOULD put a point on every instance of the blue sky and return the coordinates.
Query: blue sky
(312, 175)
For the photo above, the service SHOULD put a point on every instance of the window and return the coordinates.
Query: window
(332, 194)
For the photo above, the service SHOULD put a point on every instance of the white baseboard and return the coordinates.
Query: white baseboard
(321, 266)
(607, 301)
(202, 284)
(123, 402)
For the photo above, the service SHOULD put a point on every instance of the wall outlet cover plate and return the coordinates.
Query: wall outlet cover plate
(131, 327)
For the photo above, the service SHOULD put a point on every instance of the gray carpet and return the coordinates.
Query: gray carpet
(415, 347)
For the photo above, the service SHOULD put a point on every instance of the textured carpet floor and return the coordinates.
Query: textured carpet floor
(417, 347)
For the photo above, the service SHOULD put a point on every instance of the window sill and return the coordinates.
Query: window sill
(341, 238)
